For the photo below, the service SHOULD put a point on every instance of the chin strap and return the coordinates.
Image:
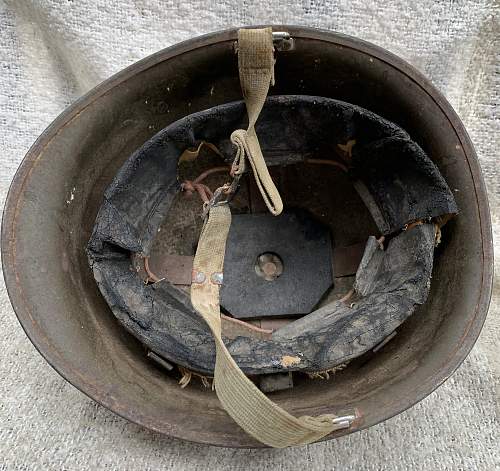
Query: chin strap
(243, 401)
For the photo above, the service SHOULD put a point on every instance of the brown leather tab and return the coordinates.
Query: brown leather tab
(177, 269)
(346, 259)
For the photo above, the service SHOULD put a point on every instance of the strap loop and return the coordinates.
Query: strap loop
(256, 68)
(248, 146)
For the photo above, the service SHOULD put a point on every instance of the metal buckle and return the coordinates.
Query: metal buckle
(282, 41)
(222, 195)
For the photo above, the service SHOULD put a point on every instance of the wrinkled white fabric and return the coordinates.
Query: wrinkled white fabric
(53, 51)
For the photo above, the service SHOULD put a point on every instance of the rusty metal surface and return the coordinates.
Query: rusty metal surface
(70, 324)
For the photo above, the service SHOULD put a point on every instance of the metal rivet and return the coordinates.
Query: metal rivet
(217, 278)
(198, 277)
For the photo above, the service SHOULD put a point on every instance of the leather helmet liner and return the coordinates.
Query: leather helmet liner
(392, 174)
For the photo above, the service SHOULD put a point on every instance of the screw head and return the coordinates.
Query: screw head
(269, 266)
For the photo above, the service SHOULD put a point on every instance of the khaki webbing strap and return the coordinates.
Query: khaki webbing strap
(256, 67)
(243, 401)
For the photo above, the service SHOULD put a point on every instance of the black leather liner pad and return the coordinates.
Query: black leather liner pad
(401, 179)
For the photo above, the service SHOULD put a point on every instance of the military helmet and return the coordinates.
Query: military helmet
(282, 234)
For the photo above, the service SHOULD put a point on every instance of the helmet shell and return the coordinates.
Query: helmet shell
(54, 198)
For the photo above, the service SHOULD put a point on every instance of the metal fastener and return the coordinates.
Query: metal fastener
(344, 421)
(198, 277)
(282, 41)
(269, 266)
(217, 278)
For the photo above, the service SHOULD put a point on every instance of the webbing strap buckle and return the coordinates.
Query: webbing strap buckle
(282, 42)
(222, 195)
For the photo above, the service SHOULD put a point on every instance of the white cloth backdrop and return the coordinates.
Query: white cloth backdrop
(53, 51)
